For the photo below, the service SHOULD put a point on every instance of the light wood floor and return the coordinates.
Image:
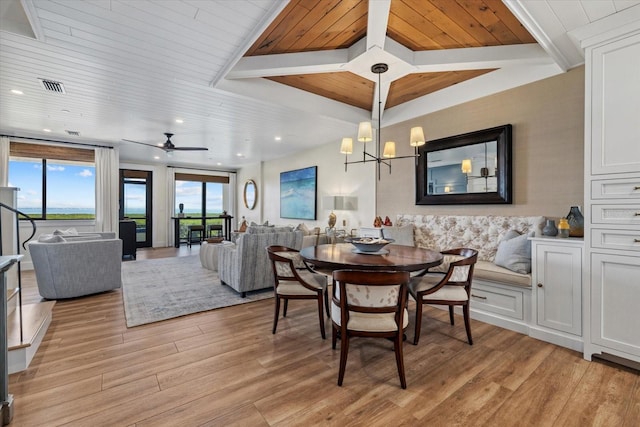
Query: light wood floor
(224, 367)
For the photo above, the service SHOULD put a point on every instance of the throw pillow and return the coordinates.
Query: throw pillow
(68, 232)
(303, 227)
(514, 252)
(401, 235)
(50, 238)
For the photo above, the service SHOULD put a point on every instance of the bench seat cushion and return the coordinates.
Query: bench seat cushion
(489, 271)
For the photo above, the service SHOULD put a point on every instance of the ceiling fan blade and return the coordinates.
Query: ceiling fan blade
(190, 149)
(142, 143)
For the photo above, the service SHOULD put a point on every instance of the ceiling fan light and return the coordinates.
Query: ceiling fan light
(365, 132)
(417, 137)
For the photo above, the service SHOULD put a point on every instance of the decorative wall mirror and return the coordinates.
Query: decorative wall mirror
(473, 168)
(250, 194)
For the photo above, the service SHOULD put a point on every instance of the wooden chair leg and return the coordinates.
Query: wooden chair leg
(418, 325)
(277, 313)
(467, 323)
(397, 347)
(326, 303)
(286, 305)
(334, 336)
(451, 315)
(344, 351)
(321, 316)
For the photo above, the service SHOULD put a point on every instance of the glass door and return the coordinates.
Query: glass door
(135, 203)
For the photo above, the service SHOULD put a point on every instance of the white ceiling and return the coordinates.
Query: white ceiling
(130, 68)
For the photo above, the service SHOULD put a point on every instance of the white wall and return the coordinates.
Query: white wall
(358, 181)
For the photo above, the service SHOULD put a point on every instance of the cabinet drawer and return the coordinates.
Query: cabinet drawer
(616, 188)
(616, 214)
(627, 240)
(497, 300)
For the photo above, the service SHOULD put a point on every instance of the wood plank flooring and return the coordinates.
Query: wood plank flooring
(225, 368)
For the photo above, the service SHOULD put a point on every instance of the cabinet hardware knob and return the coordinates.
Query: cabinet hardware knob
(478, 296)
(539, 285)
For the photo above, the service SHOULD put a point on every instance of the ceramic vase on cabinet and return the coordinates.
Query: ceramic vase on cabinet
(550, 228)
(576, 222)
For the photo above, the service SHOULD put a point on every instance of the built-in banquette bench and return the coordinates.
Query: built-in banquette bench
(499, 295)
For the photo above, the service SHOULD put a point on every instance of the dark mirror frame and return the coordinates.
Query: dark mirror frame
(501, 134)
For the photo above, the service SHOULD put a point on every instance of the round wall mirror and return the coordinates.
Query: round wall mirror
(250, 194)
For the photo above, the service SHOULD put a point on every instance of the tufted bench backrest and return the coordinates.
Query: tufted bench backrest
(480, 232)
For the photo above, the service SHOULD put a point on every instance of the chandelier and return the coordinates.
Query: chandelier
(365, 134)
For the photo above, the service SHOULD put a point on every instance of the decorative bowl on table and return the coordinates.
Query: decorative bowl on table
(368, 244)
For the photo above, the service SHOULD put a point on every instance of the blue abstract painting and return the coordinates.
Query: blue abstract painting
(298, 193)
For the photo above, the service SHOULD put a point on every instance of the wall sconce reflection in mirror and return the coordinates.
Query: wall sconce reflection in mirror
(473, 168)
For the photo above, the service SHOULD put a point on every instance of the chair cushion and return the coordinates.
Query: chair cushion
(319, 281)
(369, 322)
(430, 280)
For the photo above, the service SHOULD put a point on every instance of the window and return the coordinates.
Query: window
(199, 196)
(55, 182)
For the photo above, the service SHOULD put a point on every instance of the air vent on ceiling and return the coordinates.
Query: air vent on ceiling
(73, 132)
(52, 86)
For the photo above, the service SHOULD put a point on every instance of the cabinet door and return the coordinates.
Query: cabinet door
(559, 287)
(615, 100)
(615, 302)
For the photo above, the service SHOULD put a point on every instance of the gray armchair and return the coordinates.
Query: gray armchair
(245, 266)
(73, 266)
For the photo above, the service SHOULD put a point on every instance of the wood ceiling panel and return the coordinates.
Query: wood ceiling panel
(309, 25)
(344, 87)
(416, 85)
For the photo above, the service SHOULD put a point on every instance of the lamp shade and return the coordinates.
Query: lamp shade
(365, 132)
(389, 149)
(340, 203)
(347, 146)
(417, 137)
(466, 166)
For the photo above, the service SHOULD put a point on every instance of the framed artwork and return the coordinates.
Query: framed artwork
(298, 193)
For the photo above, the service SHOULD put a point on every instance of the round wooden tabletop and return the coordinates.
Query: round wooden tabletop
(399, 258)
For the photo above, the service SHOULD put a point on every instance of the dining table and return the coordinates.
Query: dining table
(338, 256)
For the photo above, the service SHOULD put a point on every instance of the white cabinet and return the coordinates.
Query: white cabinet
(556, 272)
(615, 301)
(611, 275)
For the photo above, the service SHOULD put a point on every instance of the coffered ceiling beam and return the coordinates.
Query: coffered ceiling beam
(377, 20)
(479, 58)
(287, 64)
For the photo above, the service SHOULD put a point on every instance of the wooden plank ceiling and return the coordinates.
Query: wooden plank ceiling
(419, 25)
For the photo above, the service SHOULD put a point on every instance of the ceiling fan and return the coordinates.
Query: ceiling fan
(168, 145)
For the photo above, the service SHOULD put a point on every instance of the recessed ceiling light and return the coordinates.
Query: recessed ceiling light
(47, 130)
(240, 155)
(156, 157)
(218, 164)
(179, 121)
(277, 138)
(16, 92)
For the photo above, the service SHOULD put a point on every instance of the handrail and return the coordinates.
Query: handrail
(33, 225)
(33, 233)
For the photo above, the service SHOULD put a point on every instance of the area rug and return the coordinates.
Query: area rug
(164, 288)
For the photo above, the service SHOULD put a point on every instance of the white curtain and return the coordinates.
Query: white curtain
(231, 207)
(107, 187)
(171, 203)
(4, 161)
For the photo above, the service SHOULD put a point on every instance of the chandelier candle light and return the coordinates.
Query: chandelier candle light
(365, 134)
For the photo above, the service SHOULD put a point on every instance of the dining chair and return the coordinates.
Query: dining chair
(450, 288)
(294, 280)
(369, 304)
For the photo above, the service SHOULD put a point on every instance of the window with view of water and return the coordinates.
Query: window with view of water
(54, 189)
(198, 198)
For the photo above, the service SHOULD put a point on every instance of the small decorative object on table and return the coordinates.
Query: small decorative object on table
(576, 222)
(369, 245)
(181, 213)
(377, 222)
(563, 228)
(387, 222)
(550, 228)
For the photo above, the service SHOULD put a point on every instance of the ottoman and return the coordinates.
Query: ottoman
(209, 254)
